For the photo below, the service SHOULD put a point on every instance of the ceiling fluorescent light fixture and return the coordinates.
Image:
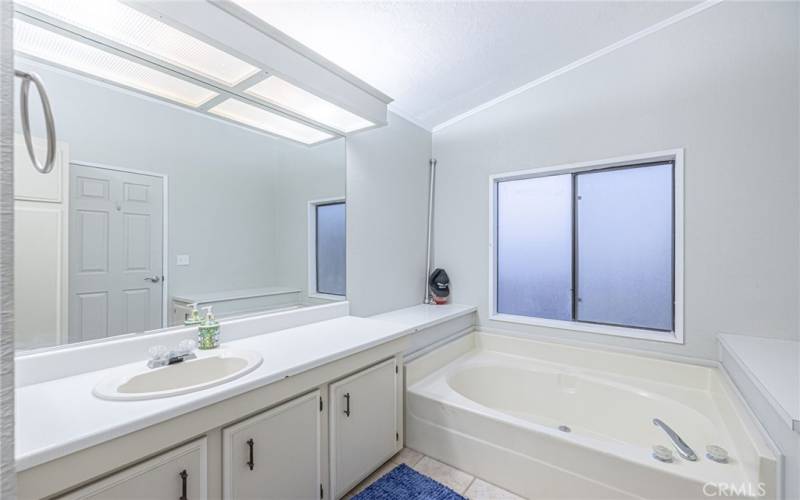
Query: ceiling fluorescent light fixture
(126, 26)
(64, 51)
(284, 94)
(239, 111)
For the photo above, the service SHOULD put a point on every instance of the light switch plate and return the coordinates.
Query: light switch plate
(181, 260)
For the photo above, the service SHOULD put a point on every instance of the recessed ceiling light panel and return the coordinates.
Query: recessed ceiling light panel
(239, 111)
(64, 51)
(288, 96)
(127, 26)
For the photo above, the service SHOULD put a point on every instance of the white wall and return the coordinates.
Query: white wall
(722, 84)
(387, 193)
(303, 175)
(223, 179)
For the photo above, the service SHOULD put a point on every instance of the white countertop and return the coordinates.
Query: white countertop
(59, 417)
(773, 365)
(233, 294)
(425, 315)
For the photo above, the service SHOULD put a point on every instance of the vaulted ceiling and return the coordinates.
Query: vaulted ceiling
(441, 59)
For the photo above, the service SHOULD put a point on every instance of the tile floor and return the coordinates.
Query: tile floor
(457, 480)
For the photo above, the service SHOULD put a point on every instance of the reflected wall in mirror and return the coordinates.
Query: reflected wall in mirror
(152, 206)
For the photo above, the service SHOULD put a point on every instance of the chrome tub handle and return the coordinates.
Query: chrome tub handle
(684, 449)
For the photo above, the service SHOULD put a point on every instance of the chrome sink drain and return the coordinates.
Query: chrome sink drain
(564, 428)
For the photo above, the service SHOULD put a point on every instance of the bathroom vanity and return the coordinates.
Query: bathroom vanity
(320, 413)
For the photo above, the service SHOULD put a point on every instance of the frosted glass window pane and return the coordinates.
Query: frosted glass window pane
(534, 247)
(331, 248)
(624, 258)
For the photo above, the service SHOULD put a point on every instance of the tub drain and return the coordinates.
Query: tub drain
(564, 428)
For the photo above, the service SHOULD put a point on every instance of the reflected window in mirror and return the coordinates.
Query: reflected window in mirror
(327, 277)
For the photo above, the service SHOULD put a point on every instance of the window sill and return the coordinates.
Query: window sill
(617, 331)
(327, 296)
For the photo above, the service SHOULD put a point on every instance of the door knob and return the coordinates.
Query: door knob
(153, 279)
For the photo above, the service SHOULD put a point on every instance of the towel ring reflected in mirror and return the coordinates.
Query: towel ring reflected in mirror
(50, 157)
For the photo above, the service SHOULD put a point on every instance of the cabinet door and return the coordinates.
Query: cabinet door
(40, 242)
(276, 454)
(363, 424)
(179, 474)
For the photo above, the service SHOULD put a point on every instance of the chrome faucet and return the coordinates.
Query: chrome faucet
(161, 356)
(683, 449)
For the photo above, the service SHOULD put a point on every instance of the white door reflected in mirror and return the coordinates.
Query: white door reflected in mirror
(116, 254)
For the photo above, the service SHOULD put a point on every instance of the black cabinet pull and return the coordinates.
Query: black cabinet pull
(184, 475)
(251, 463)
(347, 403)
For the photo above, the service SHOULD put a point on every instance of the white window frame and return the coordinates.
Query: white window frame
(676, 335)
(312, 249)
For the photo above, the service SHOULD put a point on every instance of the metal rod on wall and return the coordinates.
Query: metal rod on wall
(432, 183)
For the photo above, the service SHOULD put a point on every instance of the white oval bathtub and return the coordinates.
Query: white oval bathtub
(589, 406)
(553, 421)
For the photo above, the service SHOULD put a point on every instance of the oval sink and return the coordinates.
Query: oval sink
(209, 369)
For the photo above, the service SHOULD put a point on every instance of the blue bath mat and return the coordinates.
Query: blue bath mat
(404, 483)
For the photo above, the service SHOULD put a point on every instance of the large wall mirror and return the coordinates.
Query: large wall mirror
(152, 207)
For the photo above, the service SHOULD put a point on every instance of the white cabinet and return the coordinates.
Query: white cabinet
(296, 450)
(276, 454)
(179, 474)
(40, 242)
(363, 424)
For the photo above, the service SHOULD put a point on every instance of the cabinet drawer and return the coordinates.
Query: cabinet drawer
(177, 474)
(276, 454)
(363, 424)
